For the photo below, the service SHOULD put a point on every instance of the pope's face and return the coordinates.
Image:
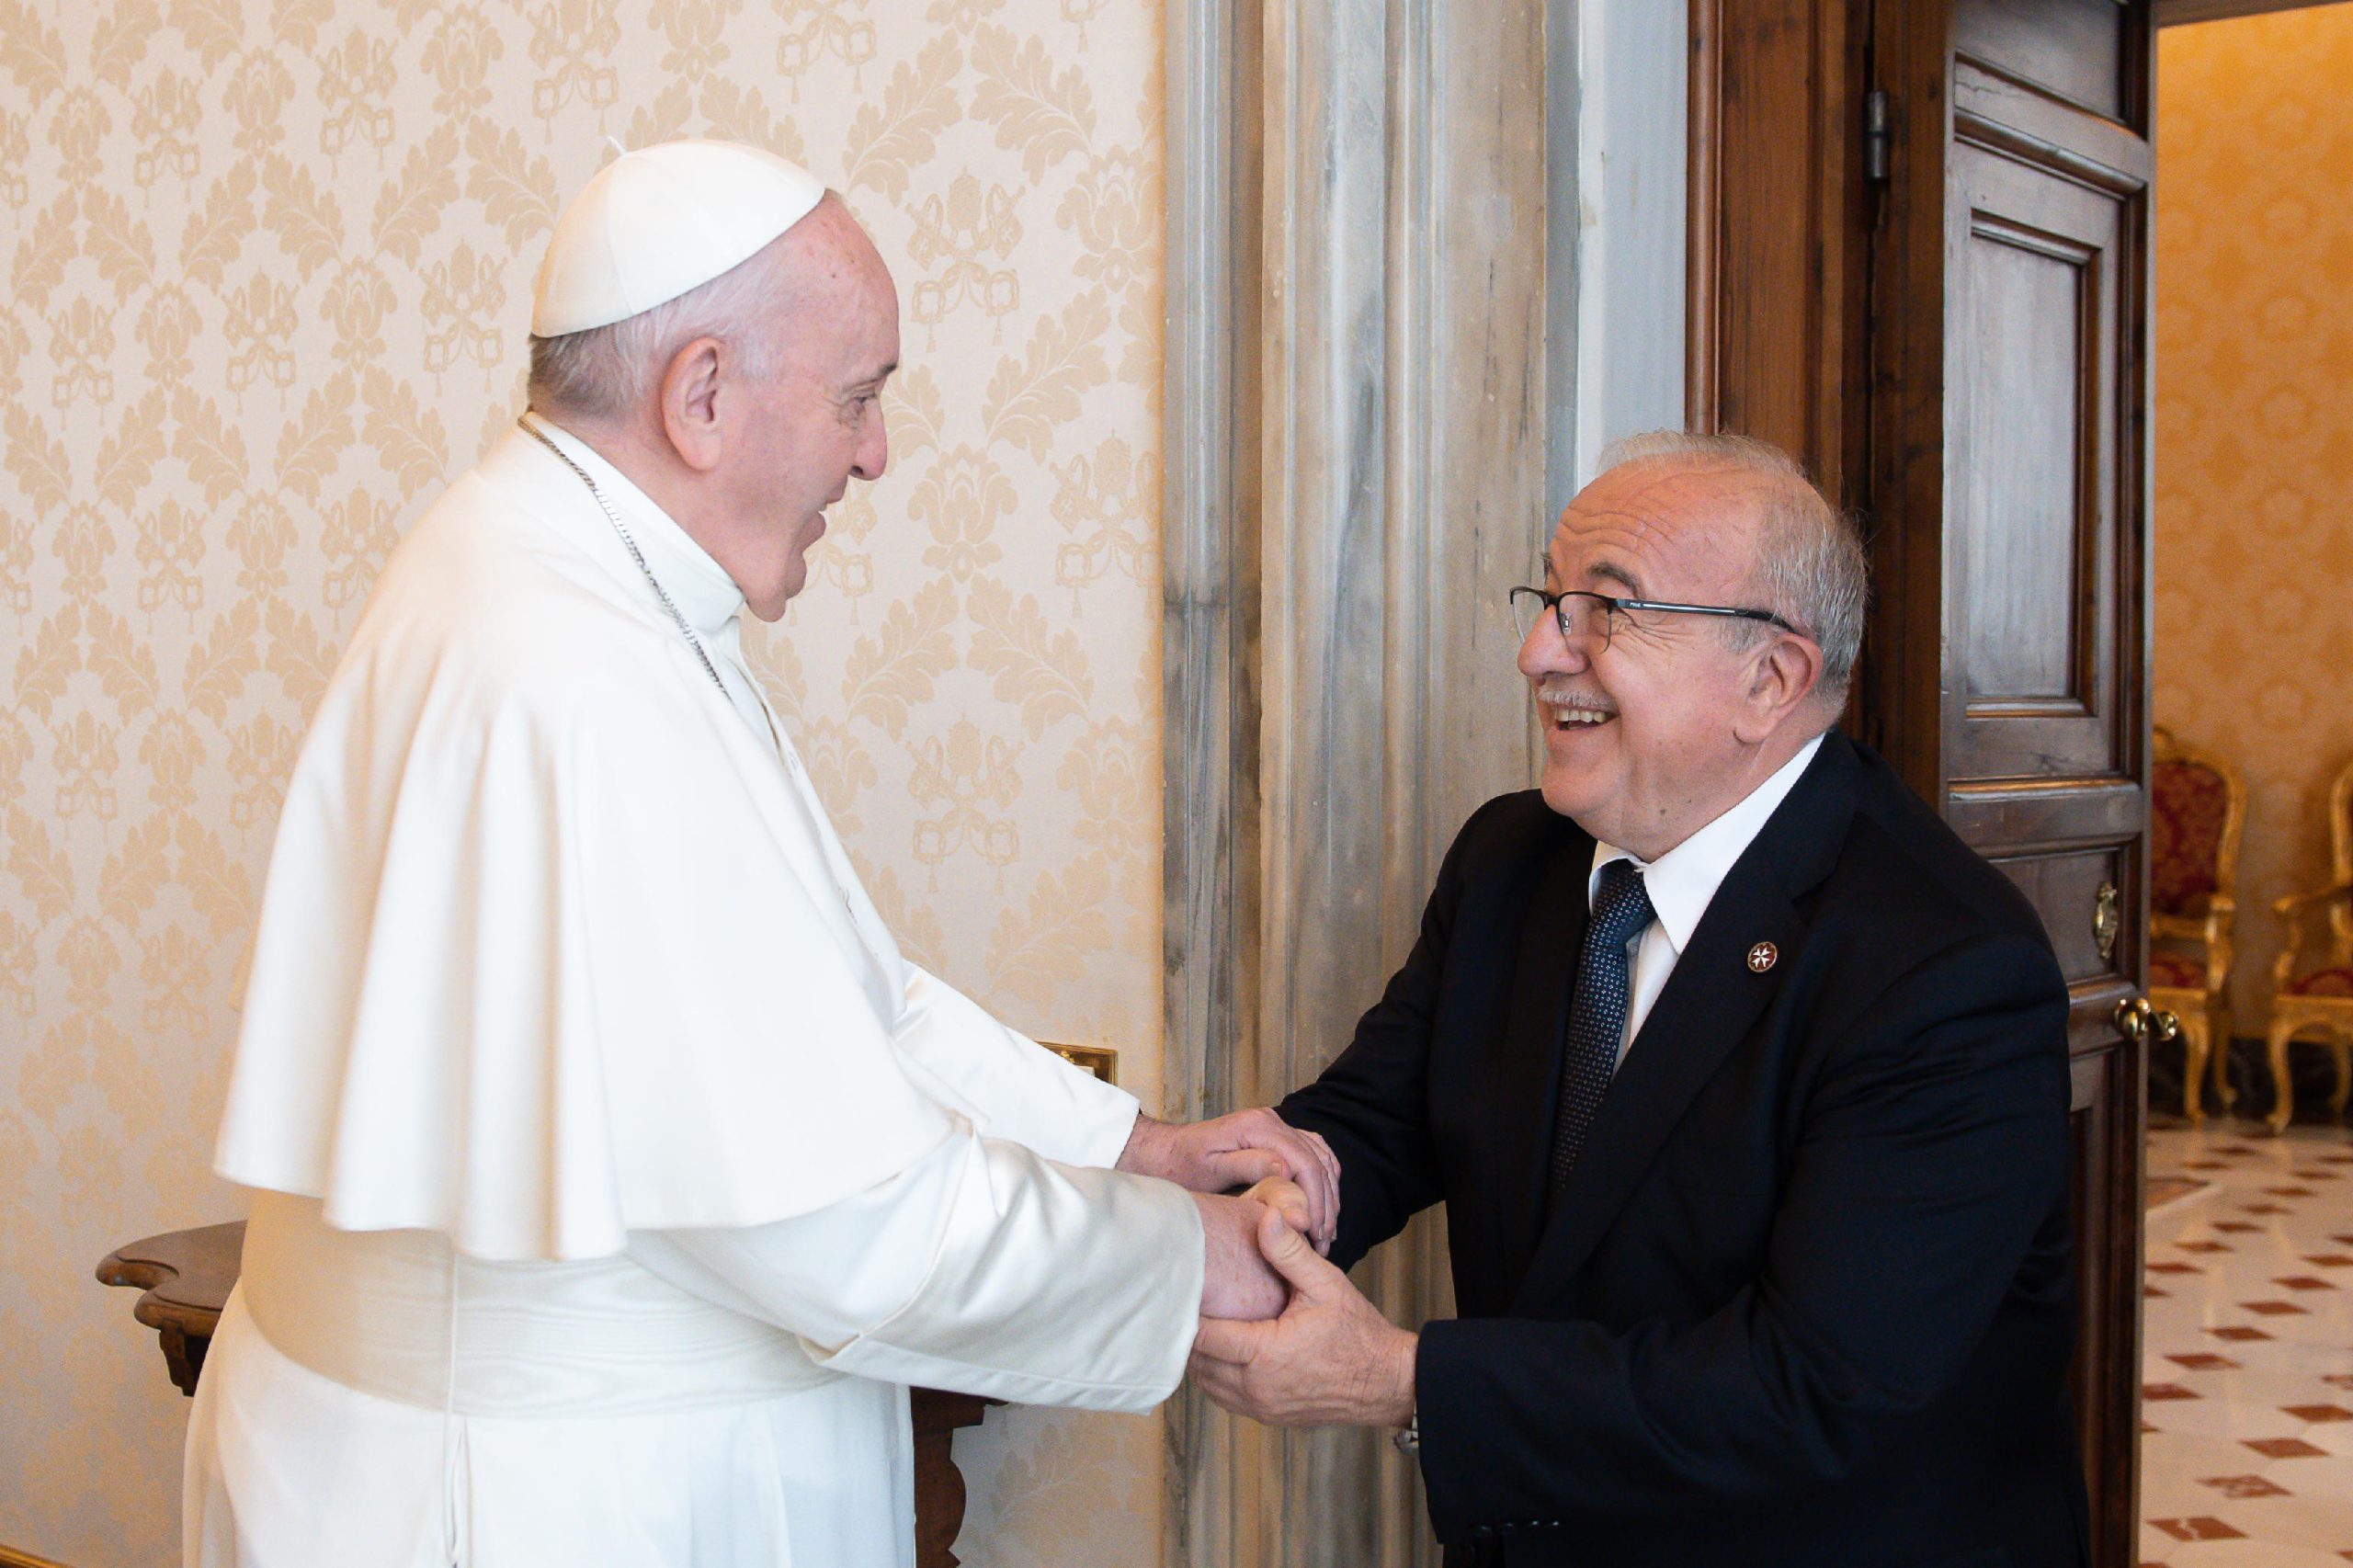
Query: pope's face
(1640, 746)
(803, 435)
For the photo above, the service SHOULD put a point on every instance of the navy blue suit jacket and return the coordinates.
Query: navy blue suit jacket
(1807, 1300)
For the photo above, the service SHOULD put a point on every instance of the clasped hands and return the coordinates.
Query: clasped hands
(1284, 1337)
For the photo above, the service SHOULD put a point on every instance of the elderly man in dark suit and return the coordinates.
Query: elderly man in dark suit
(1743, 1083)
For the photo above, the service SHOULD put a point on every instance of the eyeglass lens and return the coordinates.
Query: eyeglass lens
(1578, 616)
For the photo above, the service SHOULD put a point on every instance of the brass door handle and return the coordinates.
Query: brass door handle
(2139, 1020)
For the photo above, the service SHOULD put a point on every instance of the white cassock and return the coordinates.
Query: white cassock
(614, 1173)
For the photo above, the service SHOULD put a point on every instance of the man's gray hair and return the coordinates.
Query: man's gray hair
(607, 370)
(1810, 567)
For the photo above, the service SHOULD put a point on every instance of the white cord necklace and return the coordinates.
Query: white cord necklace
(634, 554)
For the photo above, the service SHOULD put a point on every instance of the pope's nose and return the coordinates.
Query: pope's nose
(873, 451)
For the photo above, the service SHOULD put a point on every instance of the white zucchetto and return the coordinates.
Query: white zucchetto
(658, 222)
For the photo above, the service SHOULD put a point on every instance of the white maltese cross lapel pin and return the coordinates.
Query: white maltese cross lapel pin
(1762, 956)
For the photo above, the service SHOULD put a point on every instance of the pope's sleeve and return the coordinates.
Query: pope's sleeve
(982, 1268)
(1010, 1086)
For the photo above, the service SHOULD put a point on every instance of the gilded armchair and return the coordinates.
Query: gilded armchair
(2198, 805)
(2318, 1000)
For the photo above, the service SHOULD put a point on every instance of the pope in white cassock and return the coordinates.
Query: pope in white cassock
(613, 1172)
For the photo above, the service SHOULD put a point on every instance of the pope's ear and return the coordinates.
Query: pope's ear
(690, 402)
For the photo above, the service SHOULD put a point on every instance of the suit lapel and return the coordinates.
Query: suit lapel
(1551, 930)
(1711, 1003)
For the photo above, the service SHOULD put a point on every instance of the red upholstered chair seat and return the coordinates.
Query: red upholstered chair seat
(2320, 983)
(2181, 971)
(2188, 806)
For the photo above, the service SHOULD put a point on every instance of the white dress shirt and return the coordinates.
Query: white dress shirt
(1682, 882)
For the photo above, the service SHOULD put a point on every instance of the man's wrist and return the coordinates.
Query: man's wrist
(1141, 1155)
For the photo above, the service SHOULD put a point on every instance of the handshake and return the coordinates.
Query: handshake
(1284, 1337)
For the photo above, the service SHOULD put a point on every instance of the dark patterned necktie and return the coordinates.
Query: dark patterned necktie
(1621, 908)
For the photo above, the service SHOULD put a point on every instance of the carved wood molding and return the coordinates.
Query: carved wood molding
(2171, 13)
(1776, 196)
(1702, 288)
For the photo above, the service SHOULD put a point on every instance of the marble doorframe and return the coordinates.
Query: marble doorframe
(1374, 254)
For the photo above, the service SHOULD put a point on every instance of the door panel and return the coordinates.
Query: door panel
(2072, 880)
(2106, 1115)
(2009, 331)
(2031, 422)
(2072, 49)
(2032, 303)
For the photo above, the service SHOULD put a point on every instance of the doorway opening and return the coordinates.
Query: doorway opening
(2247, 1403)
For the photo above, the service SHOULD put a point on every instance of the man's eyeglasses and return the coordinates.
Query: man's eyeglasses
(1596, 617)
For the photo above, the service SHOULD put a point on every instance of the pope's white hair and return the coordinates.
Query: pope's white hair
(1810, 566)
(607, 370)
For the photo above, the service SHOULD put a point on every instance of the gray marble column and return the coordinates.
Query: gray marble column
(1356, 304)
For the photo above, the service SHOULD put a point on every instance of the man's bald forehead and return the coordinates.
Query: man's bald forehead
(1713, 502)
(1672, 493)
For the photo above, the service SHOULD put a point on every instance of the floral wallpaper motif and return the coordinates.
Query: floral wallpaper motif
(2254, 436)
(269, 267)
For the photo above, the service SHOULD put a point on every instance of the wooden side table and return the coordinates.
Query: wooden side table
(184, 1277)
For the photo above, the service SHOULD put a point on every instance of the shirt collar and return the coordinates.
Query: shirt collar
(699, 585)
(1682, 882)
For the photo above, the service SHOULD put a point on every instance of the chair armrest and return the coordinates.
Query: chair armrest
(2210, 931)
(2296, 901)
(2294, 907)
(2183, 927)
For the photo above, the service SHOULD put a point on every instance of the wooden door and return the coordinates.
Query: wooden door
(2008, 332)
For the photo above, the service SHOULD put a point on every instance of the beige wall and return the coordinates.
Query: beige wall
(2255, 433)
(268, 267)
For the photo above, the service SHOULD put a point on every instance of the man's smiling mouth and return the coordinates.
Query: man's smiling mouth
(1575, 713)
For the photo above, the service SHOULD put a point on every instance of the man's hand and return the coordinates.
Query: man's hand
(1232, 1152)
(1236, 1279)
(1285, 1198)
(1330, 1360)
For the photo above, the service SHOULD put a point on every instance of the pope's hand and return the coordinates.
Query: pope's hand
(1229, 1152)
(1331, 1359)
(1236, 1279)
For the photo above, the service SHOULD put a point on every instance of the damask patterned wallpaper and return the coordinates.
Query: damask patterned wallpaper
(2255, 434)
(269, 265)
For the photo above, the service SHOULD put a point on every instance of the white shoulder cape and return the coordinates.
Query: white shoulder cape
(546, 952)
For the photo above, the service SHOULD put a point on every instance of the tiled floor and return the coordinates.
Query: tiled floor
(2246, 1451)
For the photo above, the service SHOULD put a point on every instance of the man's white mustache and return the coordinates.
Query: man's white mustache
(1562, 698)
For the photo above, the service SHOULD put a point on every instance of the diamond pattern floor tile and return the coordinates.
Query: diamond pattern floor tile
(2247, 1374)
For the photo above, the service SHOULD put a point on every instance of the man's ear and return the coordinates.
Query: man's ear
(691, 386)
(1784, 674)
